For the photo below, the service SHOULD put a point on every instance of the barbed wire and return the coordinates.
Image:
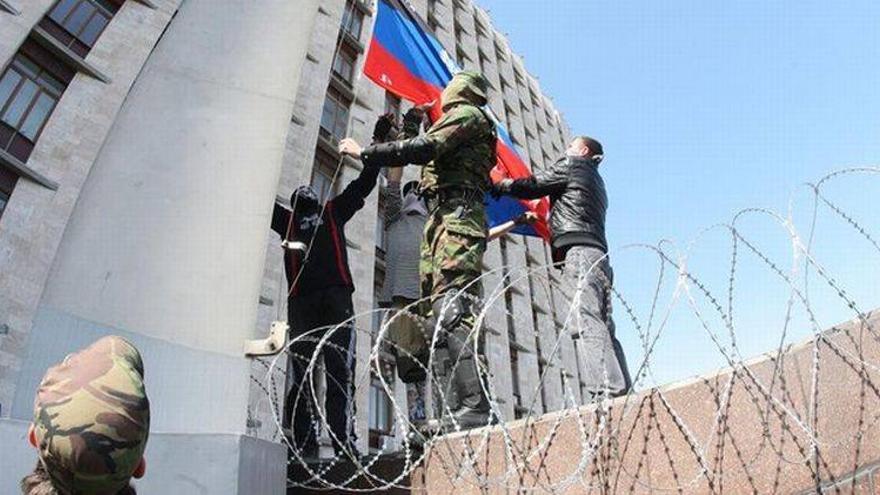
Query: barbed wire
(642, 442)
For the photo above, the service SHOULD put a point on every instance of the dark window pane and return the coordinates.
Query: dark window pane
(20, 147)
(38, 115)
(110, 7)
(93, 29)
(7, 85)
(20, 103)
(341, 122)
(7, 184)
(62, 8)
(356, 25)
(328, 115)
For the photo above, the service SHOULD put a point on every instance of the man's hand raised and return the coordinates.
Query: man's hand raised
(501, 188)
(350, 147)
(385, 129)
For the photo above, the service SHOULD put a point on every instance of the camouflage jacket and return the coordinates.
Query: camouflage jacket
(464, 141)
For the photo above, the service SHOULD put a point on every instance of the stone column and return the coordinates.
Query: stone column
(166, 244)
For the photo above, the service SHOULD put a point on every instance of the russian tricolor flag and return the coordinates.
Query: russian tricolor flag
(407, 60)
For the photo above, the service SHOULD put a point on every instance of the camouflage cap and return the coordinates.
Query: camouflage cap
(466, 86)
(92, 418)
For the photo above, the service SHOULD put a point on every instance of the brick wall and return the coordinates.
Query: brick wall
(806, 420)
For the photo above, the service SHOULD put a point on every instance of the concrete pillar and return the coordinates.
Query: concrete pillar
(166, 244)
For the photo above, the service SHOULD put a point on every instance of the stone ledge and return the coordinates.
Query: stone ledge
(67, 55)
(4, 5)
(26, 172)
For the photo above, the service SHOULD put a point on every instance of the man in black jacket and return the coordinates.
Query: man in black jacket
(577, 224)
(319, 297)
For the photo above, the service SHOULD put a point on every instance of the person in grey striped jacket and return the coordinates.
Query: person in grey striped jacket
(405, 217)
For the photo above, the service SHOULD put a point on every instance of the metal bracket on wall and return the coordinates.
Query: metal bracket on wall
(4, 5)
(271, 345)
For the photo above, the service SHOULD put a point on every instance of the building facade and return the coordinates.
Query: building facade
(70, 66)
(335, 101)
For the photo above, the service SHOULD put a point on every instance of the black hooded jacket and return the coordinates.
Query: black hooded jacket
(578, 202)
(327, 263)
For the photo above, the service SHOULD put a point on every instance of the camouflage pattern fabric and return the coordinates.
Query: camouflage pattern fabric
(464, 139)
(92, 418)
(455, 234)
(453, 247)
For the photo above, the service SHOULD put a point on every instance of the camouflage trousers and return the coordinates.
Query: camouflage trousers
(451, 261)
(452, 249)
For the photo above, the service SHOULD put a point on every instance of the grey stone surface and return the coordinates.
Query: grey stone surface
(188, 171)
(17, 457)
(35, 218)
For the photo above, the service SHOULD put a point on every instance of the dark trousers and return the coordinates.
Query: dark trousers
(323, 310)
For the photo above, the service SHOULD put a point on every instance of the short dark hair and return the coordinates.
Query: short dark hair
(595, 146)
(39, 483)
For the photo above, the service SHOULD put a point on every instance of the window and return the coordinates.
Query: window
(379, 312)
(433, 24)
(484, 62)
(481, 30)
(30, 87)
(352, 20)
(461, 56)
(7, 184)
(381, 411)
(334, 117)
(499, 53)
(344, 63)
(392, 105)
(78, 23)
(322, 176)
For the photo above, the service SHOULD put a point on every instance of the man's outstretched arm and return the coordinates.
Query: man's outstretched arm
(527, 218)
(554, 180)
(352, 199)
(451, 131)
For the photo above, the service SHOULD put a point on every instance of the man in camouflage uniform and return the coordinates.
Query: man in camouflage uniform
(91, 421)
(457, 152)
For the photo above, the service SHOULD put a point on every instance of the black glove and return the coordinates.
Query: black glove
(385, 129)
(500, 188)
(412, 121)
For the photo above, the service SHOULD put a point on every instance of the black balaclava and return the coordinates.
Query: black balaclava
(304, 201)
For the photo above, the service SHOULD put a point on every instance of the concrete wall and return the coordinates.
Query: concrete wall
(760, 428)
(36, 217)
(165, 243)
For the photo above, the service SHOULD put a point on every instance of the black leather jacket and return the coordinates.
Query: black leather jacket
(578, 202)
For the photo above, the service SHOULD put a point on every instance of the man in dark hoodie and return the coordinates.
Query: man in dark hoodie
(319, 297)
(577, 224)
(457, 153)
